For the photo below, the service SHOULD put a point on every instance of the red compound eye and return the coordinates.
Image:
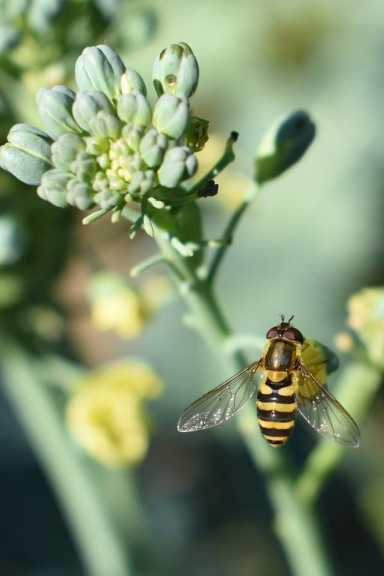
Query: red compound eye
(273, 332)
(293, 334)
(284, 330)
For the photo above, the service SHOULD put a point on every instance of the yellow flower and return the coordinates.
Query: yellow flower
(116, 306)
(106, 413)
(366, 318)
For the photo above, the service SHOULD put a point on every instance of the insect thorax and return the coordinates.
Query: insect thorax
(281, 355)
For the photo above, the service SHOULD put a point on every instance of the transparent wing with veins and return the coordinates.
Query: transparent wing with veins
(323, 412)
(221, 403)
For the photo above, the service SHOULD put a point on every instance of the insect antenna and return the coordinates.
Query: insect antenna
(282, 316)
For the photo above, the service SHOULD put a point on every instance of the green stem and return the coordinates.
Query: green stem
(325, 457)
(146, 264)
(95, 216)
(228, 233)
(99, 542)
(226, 159)
(295, 522)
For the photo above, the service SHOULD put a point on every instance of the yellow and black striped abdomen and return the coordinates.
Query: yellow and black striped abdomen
(276, 409)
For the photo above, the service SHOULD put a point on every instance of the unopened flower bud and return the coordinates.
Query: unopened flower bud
(53, 187)
(100, 68)
(132, 135)
(171, 115)
(100, 182)
(65, 149)
(87, 105)
(12, 241)
(10, 35)
(134, 108)
(197, 134)
(135, 162)
(40, 16)
(80, 194)
(96, 146)
(142, 182)
(152, 148)
(176, 71)
(107, 198)
(283, 145)
(130, 81)
(28, 153)
(55, 110)
(104, 161)
(179, 164)
(84, 166)
(105, 125)
(117, 179)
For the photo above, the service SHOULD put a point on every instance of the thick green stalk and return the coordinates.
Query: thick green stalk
(325, 457)
(99, 543)
(295, 522)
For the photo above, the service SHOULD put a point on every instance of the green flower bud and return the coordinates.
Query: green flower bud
(153, 147)
(171, 115)
(130, 81)
(80, 194)
(53, 187)
(179, 164)
(84, 167)
(105, 125)
(142, 182)
(104, 161)
(132, 135)
(55, 110)
(28, 154)
(134, 108)
(176, 71)
(283, 145)
(87, 105)
(96, 146)
(107, 198)
(135, 162)
(41, 15)
(12, 241)
(100, 68)
(122, 169)
(100, 182)
(65, 150)
(118, 180)
(9, 36)
(197, 134)
(118, 149)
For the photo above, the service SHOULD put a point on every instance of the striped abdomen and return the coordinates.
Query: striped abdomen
(276, 409)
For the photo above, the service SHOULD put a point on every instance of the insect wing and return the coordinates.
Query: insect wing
(221, 403)
(323, 412)
(320, 360)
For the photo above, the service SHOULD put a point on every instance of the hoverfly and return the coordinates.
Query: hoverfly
(293, 374)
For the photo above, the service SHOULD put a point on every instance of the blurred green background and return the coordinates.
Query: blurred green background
(313, 238)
